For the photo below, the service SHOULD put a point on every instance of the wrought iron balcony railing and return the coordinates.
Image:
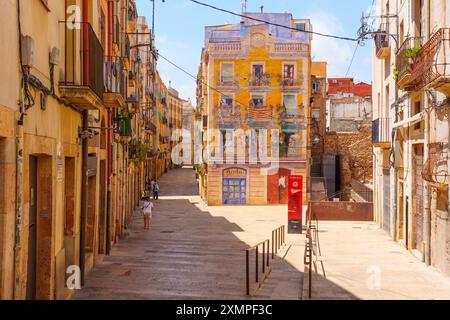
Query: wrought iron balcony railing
(259, 80)
(84, 57)
(227, 82)
(381, 131)
(432, 62)
(289, 82)
(228, 114)
(406, 55)
(381, 39)
(114, 76)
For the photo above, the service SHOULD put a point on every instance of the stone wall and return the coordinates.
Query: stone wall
(355, 152)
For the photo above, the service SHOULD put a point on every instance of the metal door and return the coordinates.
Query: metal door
(234, 190)
(32, 232)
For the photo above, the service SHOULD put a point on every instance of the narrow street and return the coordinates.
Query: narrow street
(194, 252)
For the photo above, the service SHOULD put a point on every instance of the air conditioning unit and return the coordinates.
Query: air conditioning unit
(27, 51)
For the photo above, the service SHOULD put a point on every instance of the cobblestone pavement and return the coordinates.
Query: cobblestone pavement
(362, 262)
(195, 252)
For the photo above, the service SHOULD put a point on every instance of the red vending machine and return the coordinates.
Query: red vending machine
(295, 204)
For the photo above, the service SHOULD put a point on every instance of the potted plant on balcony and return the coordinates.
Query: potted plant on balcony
(411, 53)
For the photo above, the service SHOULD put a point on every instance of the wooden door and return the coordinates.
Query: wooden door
(32, 232)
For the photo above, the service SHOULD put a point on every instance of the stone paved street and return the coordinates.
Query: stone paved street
(198, 252)
(194, 252)
(362, 262)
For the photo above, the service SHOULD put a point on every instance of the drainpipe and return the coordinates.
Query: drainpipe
(84, 191)
(84, 152)
(108, 145)
(19, 176)
(426, 192)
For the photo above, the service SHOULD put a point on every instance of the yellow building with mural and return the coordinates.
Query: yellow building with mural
(255, 76)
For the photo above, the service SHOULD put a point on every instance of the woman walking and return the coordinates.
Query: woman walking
(146, 208)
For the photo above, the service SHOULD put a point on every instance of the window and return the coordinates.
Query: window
(226, 73)
(227, 100)
(300, 26)
(340, 84)
(258, 101)
(258, 70)
(289, 101)
(288, 71)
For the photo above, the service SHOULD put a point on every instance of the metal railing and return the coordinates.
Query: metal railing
(405, 61)
(259, 80)
(262, 259)
(265, 265)
(363, 191)
(115, 79)
(433, 60)
(278, 240)
(381, 130)
(382, 39)
(84, 57)
(312, 249)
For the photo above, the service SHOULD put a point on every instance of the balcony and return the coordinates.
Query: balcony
(124, 125)
(114, 84)
(83, 80)
(287, 83)
(382, 46)
(150, 126)
(405, 59)
(231, 48)
(431, 66)
(259, 80)
(228, 115)
(260, 115)
(381, 132)
(228, 83)
(290, 47)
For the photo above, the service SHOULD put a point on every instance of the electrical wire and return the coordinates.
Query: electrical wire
(272, 23)
(351, 61)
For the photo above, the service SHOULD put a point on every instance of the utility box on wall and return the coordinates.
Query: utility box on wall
(295, 204)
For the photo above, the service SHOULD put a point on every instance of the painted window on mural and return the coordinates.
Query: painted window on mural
(258, 70)
(226, 73)
(258, 101)
(227, 100)
(288, 71)
(289, 101)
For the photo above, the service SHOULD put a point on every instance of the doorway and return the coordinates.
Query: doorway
(69, 211)
(277, 191)
(417, 221)
(401, 219)
(102, 210)
(40, 232)
(32, 231)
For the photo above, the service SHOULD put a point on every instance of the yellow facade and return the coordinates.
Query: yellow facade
(246, 82)
(69, 111)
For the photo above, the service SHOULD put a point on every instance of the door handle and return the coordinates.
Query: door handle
(32, 225)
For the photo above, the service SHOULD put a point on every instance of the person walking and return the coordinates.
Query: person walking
(155, 189)
(147, 208)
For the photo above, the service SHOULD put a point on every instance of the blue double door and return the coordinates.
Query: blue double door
(234, 190)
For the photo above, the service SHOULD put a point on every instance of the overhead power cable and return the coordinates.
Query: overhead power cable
(351, 61)
(197, 79)
(273, 23)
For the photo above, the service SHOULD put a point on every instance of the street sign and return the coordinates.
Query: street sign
(295, 202)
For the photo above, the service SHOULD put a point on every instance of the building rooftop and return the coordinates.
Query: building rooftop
(233, 32)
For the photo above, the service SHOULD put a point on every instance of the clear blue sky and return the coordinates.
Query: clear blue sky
(179, 27)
